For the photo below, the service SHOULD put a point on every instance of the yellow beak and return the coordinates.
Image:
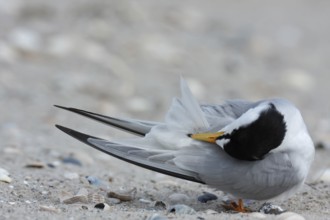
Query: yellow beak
(207, 137)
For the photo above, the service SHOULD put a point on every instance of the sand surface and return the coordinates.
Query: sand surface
(124, 59)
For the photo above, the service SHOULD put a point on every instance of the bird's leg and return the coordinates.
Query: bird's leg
(233, 206)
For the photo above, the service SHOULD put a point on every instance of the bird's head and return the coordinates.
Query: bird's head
(252, 135)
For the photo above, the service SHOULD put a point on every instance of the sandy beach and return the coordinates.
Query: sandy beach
(125, 59)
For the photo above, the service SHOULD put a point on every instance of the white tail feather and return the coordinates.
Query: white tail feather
(185, 112)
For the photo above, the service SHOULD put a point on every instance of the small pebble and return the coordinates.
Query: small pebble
(37, 165)
(54, 164)
(71, 160)
(178, 198)
(123, 196)
(207, 197)
(268, 208)
(182, 209)
(4, 176)
(320, 146)
(102, 206)
(160, 205)
(50, 165)
(289, 216)
(93, 180)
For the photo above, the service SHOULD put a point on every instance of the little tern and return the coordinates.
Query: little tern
(251, 150)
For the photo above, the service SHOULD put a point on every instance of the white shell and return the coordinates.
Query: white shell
(80, 197)
(95, 198)
(4, 176)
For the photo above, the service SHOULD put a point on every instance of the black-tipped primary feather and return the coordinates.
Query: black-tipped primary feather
(127, 154)
(138, 127)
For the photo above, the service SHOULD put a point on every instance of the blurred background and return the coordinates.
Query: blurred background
(124, 58)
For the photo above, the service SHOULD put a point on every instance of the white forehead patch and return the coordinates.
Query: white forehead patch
(247, 118)
(222, 142)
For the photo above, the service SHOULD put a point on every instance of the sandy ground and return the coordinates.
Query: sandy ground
(124, 58)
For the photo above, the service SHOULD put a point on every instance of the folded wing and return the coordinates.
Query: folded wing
(157, 160)
(138, 127)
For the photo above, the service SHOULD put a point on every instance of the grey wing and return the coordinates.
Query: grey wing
(219, 116)
(157, 160)
(207, 164)
(138, 127)
(271, 177)
(214, 166)
(257, 180)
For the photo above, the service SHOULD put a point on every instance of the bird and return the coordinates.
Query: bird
(254, 150)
